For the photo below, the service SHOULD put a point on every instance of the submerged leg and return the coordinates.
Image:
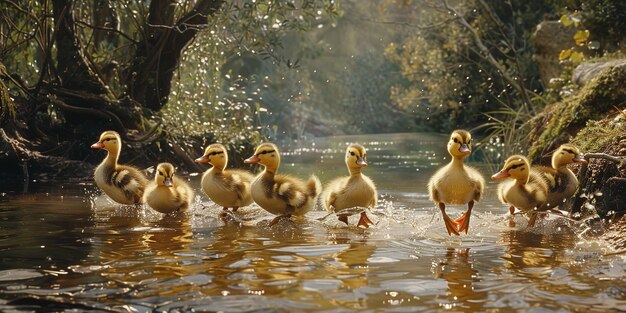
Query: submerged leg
(464, 220)
(532, 219)
(364, 221)
(235, 208)
(450, 224)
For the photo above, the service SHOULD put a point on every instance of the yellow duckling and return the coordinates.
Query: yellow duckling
(122, 183)
(227, 188)
(528, 191)
(356, 190)
(280, 194)
(562, 182)
(457, 183)
(167, 193)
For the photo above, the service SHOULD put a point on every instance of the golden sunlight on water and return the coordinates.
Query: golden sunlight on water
(70, 249)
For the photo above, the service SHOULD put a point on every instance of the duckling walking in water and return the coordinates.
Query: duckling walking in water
(356, 190)
(167, 194)
(562, 182)
(528, 191)
(280, 194)
(122, 183)
(227, 188)
(457, 183)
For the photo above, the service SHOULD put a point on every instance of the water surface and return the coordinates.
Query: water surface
(69, 248)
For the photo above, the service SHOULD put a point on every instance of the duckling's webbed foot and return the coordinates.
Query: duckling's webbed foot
(511, 221)
(464, 220)
(451, 225)
(364, 221)
(278, 218)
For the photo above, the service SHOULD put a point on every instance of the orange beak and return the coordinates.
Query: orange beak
(501, 174)
(97, 145)
(580, 159)
(361, 162)
(203, 159)
(252, 160)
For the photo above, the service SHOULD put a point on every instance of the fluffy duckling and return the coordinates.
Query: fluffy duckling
(528, 191)
(356, 190)
(122, 183)
(227, 188)
(457, 183)
(280, 194)
(167, 193)
(562, 182)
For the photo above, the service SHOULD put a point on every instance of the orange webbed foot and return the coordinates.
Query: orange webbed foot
(364, 221)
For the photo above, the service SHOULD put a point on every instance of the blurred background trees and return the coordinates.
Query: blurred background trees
(172, 76)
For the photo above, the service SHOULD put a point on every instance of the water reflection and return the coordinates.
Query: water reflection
(119, 258)
(457, 269)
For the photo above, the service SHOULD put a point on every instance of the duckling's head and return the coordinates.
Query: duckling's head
(267, 155)
(164, 174)
(109, 141)
(215, 155)
(516, 167)
(355, 158)
(460, 144)
(567, 154)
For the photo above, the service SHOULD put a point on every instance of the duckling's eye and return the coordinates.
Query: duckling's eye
(455, 140)
(352, 153)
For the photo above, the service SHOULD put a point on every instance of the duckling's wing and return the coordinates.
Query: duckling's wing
(129, 180)
(290, 190)
(238, 180)
(184, 193)
(478, 181)
(550, 176)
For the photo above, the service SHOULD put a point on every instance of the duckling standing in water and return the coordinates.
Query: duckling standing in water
(167, 194)
(356, 190)
(457, 183)
(280, 194)
(122, 183)
(562, 182)
(227, 188)
(528, 191)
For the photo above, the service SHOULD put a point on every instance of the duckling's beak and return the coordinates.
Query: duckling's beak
(580, 159)
(252, 160)
(168, 182)
(203, 159)
(97, 145)
(501, 174)
(361, 162)
(464, 148)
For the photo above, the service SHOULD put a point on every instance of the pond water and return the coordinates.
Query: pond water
(67, 248)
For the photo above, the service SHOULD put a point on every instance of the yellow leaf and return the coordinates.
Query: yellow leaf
(581, 37)
(565, 20)
(565, 54)
(577, 57)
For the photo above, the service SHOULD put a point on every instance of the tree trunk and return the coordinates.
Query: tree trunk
(150, 76)
(72, 66)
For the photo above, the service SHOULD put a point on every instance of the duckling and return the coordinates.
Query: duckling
(457, 183)
(280, 194)
(167, 194)
(122, 183)
(227, 188)
(562, 182)
(356, 190)
(528, 191)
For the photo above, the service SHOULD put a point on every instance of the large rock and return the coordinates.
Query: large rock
(549, 39)
(587, 71)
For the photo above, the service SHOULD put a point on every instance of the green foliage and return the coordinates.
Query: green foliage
(448, 82)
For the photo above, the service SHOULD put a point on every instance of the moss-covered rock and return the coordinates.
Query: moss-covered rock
(563, 120)
(603, 183)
